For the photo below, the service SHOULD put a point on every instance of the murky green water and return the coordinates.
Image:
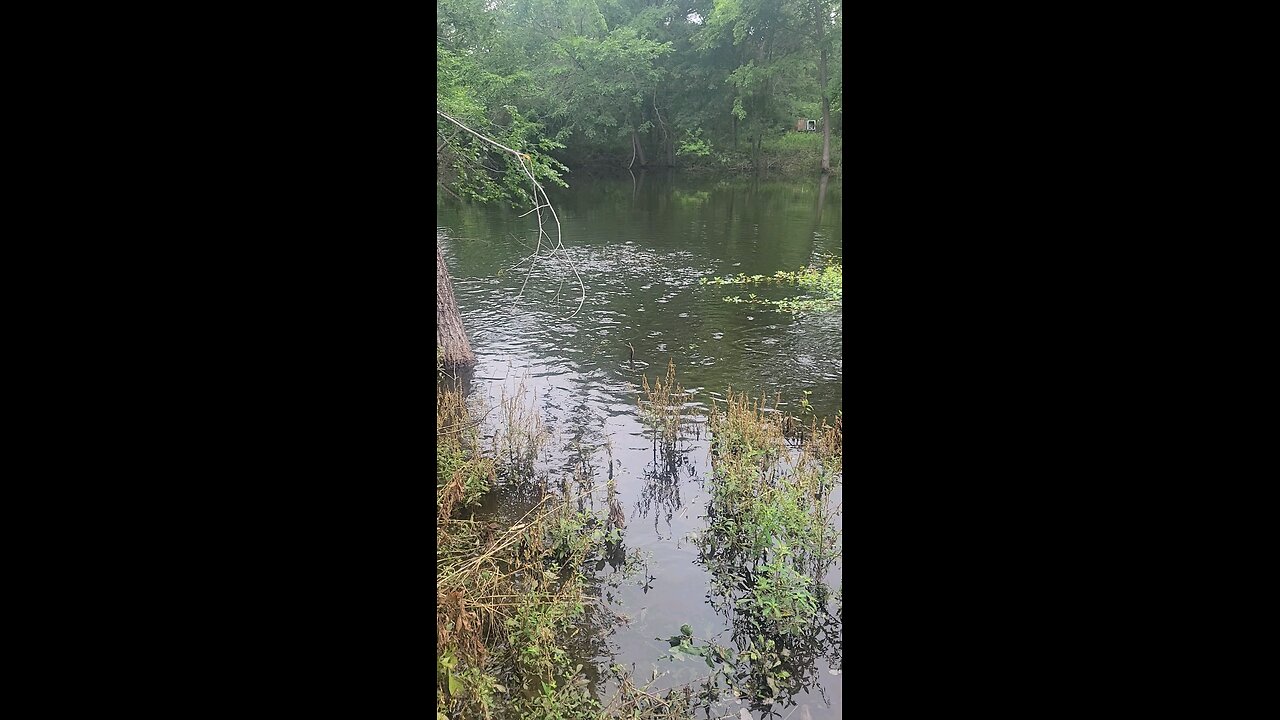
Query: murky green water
(640, 247)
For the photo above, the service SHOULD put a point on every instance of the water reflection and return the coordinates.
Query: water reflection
(660, 494)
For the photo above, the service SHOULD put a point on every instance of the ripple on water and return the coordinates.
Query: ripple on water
(578, 367)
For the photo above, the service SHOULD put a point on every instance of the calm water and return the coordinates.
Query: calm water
(640, 247)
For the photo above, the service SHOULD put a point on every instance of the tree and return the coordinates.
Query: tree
(634, 82)
(472, 109)
(822, 15)
(451, 339)
(772, 63)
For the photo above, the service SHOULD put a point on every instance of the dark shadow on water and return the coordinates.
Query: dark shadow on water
(462, 378)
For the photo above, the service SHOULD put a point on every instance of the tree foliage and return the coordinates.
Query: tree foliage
(583, 81)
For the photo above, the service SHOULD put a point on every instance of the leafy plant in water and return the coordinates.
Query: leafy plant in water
(825, 286)
(769, 535)
(781, 595)
(759, 671)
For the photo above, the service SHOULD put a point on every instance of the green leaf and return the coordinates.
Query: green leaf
(686, 631)
(455, 686)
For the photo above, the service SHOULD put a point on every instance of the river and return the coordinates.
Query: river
(639, 245)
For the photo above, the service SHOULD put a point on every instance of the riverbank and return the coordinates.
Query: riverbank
(524, 609)
(785, 156)
(793, 155)
(520, 624)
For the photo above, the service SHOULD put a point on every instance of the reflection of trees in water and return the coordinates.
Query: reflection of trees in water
(660, 493)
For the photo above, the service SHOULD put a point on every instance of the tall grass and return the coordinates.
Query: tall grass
(518, 610)
(463, 476)
(517, 615)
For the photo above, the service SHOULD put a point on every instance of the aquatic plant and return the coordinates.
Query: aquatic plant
(662, 405)
(769, 540)
(463, 476)
(519, 437)
(518, 610)
(824, 285)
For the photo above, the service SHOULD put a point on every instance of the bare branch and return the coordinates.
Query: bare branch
(521, 158)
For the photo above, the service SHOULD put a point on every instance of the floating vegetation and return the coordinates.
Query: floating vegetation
(824, 285)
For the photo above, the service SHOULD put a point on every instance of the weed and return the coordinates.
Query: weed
(824, 285)
(519, 437)
(462, 475)
(516, 611)
(769, 541)
(663, 406)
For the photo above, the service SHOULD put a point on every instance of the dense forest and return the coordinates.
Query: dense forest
(701, 84)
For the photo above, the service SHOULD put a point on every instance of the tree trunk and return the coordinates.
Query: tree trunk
(451, 338)
(822, 196)
(635, 140)
(822, 83)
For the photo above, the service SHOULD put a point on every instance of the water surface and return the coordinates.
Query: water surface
(639, 246)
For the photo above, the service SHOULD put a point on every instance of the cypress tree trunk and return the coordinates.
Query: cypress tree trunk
(451, 339)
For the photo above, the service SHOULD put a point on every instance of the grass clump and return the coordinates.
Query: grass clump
(463, 476)
(511, 605)
(510, 595)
